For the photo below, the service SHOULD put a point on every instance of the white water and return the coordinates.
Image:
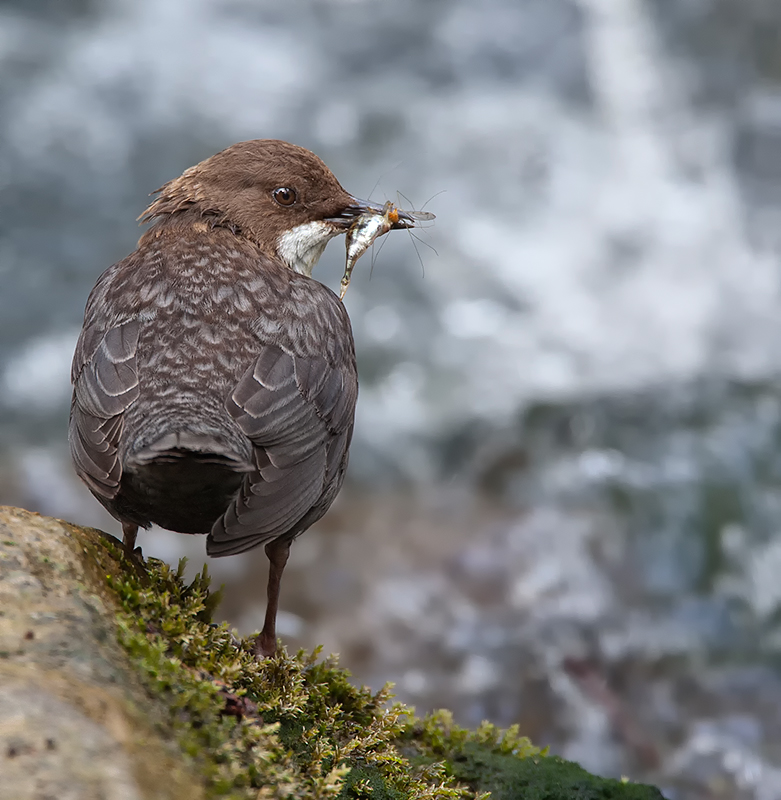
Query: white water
(582, 248)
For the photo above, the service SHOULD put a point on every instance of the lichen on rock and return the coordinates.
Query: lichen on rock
(115, 683)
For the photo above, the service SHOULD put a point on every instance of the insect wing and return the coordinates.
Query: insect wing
(421, 216)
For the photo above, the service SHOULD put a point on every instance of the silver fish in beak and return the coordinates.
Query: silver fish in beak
(368, 227)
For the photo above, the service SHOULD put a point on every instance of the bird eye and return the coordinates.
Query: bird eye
(285, 196)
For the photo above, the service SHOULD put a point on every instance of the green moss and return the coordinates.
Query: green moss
(294, 726)
(508, 765)
(510, 778)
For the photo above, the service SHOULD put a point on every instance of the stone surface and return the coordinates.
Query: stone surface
(74, 722)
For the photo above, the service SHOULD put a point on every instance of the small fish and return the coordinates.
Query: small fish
(368, 227)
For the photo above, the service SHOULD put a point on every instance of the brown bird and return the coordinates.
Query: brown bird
(214, 380)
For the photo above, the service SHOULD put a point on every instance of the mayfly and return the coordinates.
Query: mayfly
(369, 226)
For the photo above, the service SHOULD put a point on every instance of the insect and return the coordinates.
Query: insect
(368, 227)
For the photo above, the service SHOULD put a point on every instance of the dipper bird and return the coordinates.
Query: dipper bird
(214, 379)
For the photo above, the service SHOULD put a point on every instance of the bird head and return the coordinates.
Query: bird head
(279, 195)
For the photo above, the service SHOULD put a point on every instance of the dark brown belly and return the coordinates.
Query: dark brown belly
(184, 492)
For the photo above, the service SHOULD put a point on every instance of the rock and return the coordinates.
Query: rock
(115, 684)
(75, 721)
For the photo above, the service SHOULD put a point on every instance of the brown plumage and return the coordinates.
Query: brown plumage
(214, 380)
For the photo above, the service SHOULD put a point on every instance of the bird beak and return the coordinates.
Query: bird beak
(358, 208)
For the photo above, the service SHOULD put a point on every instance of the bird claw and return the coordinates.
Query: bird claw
(136, 559)
(264, 646)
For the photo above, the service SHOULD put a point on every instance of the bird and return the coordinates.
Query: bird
(214, 379)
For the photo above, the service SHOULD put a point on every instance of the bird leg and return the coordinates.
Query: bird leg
(129, 533)
(277, 552)
(133, 553)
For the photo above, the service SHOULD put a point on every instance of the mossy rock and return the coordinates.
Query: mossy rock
(118, 685)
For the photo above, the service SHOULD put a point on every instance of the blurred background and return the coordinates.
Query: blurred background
(563, 505)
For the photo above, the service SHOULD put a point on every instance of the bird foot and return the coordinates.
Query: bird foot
(264, 646)
(136, 559)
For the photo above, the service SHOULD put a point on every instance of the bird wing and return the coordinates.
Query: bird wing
(298, 413)
(105, 383)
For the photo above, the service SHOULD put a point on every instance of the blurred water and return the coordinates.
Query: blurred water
(582, 387)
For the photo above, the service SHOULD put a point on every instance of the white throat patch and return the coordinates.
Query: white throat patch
(301, 247)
